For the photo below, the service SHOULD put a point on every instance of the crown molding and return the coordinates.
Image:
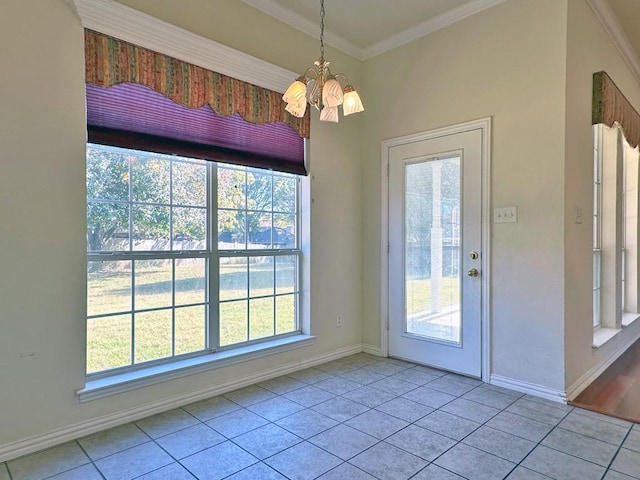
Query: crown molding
(611, 25)
(277, 11)
(120, 21)
(425, 28)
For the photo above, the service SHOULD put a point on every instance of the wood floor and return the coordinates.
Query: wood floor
(617, 391)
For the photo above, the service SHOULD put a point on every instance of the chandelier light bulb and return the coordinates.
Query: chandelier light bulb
(329, 114)
(352, 102)
(296, 92)
(332, 93)
(297, 109)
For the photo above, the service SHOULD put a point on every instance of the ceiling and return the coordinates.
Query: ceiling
(365, 28)
(627, 13)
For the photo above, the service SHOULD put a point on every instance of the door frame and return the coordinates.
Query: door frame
(484, 125)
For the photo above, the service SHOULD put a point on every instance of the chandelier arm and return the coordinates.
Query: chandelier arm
(315, 95)
(346, 79)
(308, 71)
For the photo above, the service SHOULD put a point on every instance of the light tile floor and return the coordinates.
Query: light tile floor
(361, 417)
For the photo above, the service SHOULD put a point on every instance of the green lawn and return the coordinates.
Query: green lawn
(419, 294)
(156, 334)
(241, 318)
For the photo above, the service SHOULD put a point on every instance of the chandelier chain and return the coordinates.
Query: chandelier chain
(322, 29)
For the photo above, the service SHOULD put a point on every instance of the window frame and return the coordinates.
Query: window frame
(256, 253)
(616, 231)
(138, 28)
(597, 227)
(212, 255)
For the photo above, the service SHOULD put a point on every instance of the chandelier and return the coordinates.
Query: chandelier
(321, 88)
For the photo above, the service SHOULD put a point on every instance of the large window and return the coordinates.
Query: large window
(186, 257)
(615, 230)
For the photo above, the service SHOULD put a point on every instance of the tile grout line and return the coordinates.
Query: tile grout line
(338, 373)
(90, 459)
(615, 455)
(516, 464)
(434, 410)
(458, 442)
(411, 423)
(414, 422)
(396, 396)
(227, 439)
(538, 444)
(6, 464)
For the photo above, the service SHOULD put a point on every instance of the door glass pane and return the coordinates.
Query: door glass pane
(432, 244)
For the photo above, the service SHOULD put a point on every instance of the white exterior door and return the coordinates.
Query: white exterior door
(435, 251)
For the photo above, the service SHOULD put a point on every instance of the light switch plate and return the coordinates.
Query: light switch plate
(505, 215)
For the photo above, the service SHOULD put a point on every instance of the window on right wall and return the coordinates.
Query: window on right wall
(616, 202)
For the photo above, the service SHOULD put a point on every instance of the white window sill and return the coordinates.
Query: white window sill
(603, 335)
(629, 318)
(124, 382)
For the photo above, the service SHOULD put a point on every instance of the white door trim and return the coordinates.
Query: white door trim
(483, 124)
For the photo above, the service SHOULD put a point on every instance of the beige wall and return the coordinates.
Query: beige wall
(42, 212)
(589, 50)
(525, 63)
(507, 62)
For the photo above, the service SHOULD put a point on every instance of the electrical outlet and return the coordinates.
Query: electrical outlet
(339, 320)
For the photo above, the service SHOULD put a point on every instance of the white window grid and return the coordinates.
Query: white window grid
(211, 255)
(597, 226)
(616, 208)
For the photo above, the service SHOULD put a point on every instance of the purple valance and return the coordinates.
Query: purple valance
(134, 116)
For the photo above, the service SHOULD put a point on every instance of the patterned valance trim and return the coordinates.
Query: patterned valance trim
(109, 61)
(611, 106)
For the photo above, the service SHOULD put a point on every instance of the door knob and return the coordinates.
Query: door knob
(473, 272)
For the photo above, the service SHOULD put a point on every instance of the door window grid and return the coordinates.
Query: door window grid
(155, 318)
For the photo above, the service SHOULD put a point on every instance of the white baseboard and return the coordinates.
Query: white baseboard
(594, 372)
(78, 430)
(372, 350)
(529, 388)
